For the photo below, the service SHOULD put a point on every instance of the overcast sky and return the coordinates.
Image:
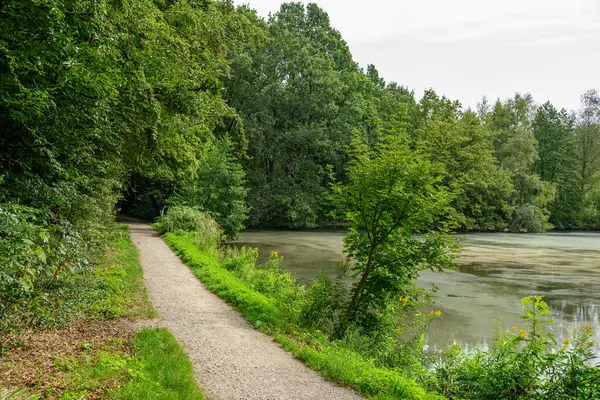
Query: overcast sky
(466, 49)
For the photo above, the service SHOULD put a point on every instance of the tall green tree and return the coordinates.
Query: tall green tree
(505, 117)
(558, 163)
(587, 133)
(516, 149)
(465, 146)
(300, 97)
(397, 208)
(532, 197)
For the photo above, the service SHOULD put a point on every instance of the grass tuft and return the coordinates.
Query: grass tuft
(162, 370)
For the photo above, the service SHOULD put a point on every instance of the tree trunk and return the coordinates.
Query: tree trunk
(356, 297)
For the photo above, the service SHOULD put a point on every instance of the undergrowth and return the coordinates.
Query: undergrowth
(112, 289)
(112, 363)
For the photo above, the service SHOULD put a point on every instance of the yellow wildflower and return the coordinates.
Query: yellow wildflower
(514, 328)
(523, 333)
(567, 341)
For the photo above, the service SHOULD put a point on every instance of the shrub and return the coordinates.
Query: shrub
(207, 232)
(268, 279)
(528, 218)
(39, 252)
(522, 364)
(184, 219)
(325, 301)
(47, 290)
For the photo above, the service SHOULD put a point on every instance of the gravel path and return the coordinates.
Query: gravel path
(231, 359)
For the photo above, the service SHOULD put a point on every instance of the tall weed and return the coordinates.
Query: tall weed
(325, 301)
(207, 233)
(269, 279)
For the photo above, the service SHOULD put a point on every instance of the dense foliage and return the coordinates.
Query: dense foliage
(214, 118)
(219, 188)
(93, 94)
(113, 289)
(300, 96)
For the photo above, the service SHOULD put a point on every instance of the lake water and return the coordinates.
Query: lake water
(493, 272)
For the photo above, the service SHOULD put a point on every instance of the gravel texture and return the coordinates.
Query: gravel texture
(231, 359)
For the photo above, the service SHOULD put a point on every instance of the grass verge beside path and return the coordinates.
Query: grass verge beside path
(331, 360)
(87, 346)
(161, 370)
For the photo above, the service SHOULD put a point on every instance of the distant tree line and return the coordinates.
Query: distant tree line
(512, 165)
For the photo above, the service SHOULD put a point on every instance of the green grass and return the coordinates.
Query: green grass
(92, 372)
(120, 280)
(330, 359)
(152, 366)
(161, 370)
(348, 368)
(256, 307)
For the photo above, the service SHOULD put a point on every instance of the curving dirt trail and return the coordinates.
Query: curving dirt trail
(231, 359)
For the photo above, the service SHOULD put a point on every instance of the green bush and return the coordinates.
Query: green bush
(269, 279)
(394, 338)
(325, 301)
(50, 296)
(207, 232)
(528, 218)
(522, 364)
(39, 253)
(184, 219)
